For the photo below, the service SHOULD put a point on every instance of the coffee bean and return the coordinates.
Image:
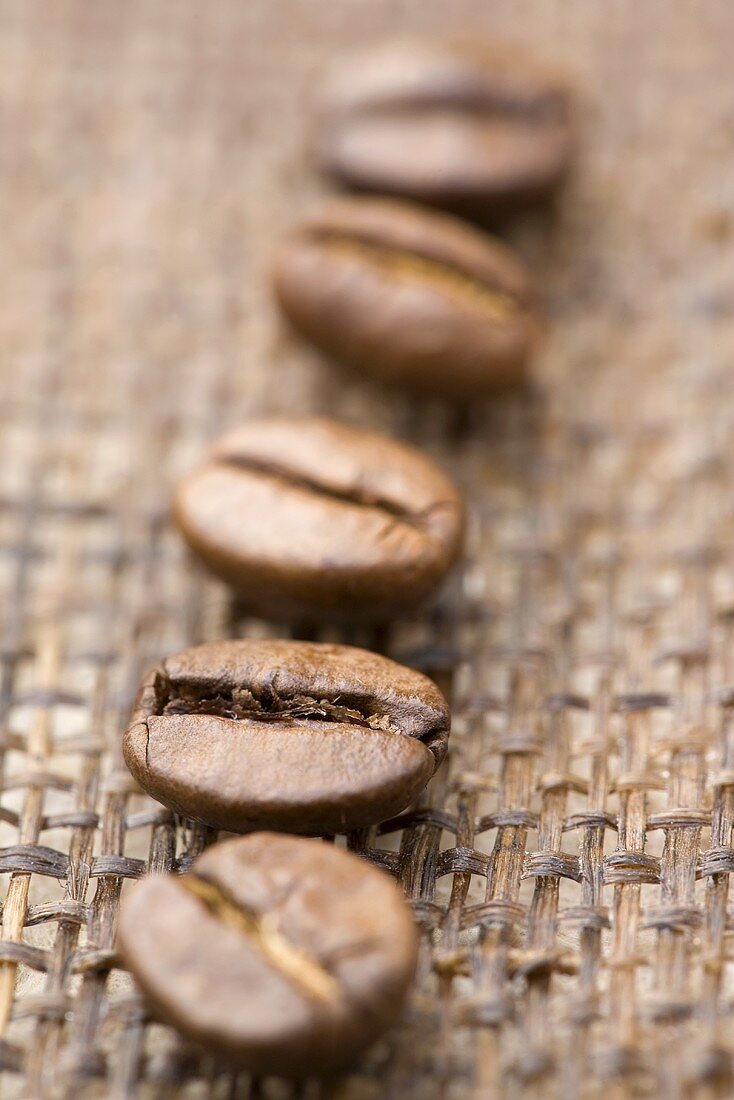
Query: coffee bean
(296, 736)
(312, 518)
(465, 126)
(412, 298)
(278, 954)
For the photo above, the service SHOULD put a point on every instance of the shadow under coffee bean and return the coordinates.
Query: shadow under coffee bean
(279, 954)
(296, 736)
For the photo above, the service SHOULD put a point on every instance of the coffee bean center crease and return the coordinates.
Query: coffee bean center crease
(295, 964)
(355, 494)
(241, 705)
(405, 265)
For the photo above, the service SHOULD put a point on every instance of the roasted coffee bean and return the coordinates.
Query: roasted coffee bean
(456, 125)
(312, 518)
(281, 955)
(413, 298)
(296, 736)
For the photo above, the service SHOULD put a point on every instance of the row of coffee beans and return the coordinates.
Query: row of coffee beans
(281, 954)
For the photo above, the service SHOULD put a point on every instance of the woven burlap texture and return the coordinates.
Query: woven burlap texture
(570, 868)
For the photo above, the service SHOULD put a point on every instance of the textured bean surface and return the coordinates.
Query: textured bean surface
(460, 124)
(303, 737)
(240, 956)
(412, 298)
(320, 519)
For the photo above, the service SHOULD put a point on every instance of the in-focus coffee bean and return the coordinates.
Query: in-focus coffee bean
(312, 518)
(461, 125)
(281, 955)
(412, 298)
(296, 736)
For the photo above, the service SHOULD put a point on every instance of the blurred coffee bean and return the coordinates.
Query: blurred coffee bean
(280, 955)
(410, 297)
(463, 125)
(313, 518)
